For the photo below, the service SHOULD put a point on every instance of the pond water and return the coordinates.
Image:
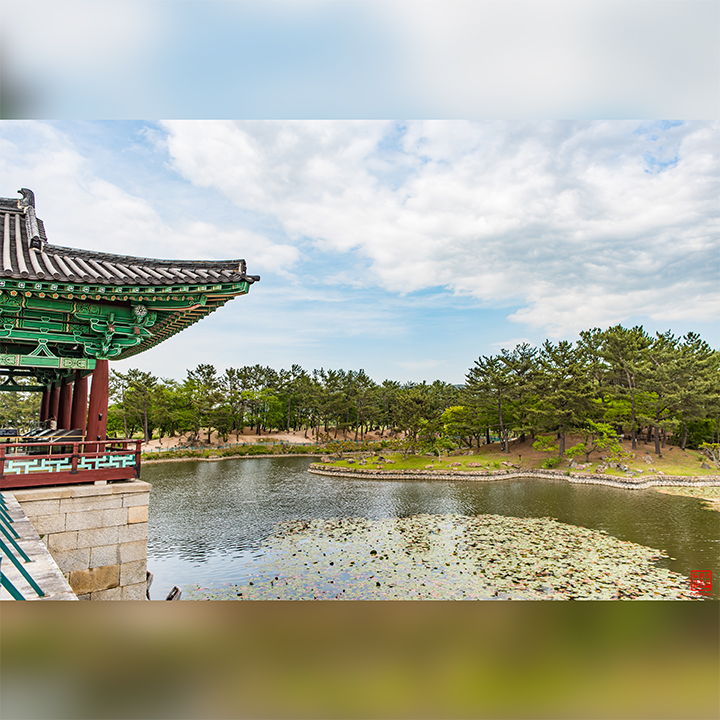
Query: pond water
(210, 521)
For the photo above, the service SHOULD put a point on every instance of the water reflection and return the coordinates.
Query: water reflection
(209, 520)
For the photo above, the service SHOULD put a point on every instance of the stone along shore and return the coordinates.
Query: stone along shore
(629, 483)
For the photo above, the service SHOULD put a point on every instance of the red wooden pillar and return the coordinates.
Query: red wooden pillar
(97, 409)
(45, 405)
(78, 417)
(65, 406)
(54, 402)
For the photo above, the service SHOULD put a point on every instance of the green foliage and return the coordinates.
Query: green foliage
(19, 409)
(565, 389)
(115, 425)
(552, 462)
(546, 443)
(489, 384)
(618, 455)
(624, 354)
(612, 381)
(419, 416)
(444, 444)
(202, 386)
(596, 436)
(712, 452)
(575, 450)
(699, 432)
(466, 422)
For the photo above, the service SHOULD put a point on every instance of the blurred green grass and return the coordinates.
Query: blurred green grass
(360, 660)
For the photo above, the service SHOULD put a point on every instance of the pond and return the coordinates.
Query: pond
(211, 522)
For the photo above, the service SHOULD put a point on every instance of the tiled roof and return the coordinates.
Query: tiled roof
(27, 254)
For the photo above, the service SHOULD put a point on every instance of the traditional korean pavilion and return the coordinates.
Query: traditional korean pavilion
(65, 312)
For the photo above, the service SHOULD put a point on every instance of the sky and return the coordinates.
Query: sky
(405, 247)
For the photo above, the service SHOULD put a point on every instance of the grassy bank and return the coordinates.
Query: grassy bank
(378, 455)
(523, 456)
(711, 495)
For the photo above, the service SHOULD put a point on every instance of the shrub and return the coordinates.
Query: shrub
(546, 443)
(712, 452)
(551, 462)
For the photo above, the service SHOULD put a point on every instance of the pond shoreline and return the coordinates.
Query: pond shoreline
(489, 476)
(645, 482)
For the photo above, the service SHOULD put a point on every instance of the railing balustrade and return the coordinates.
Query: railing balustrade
(31, 464)
(10, 550)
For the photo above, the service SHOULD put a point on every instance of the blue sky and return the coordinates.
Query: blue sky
(407, 247)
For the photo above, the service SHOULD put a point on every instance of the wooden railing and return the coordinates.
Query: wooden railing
(33, 464)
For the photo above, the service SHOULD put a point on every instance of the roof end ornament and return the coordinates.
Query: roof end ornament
(28, 198)
(242, 269)
(27, 203)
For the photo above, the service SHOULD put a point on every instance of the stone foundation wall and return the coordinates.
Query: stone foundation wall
(97, 535)
(42, 568)
(632, 483)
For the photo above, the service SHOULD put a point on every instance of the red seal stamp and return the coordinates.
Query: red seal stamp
(701, 581)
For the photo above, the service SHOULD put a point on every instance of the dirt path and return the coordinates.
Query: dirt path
(248, 436)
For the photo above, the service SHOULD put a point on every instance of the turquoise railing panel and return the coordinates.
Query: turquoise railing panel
(37, 465)
(28, 464)
(108, 461)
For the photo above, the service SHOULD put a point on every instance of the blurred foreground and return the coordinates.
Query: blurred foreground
(360, 660)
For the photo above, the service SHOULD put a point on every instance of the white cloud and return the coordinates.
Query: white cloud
(82, 209)
(554, 58)
(581, 223)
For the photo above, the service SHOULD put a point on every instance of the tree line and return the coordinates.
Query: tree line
(619, 380)
(616, 381)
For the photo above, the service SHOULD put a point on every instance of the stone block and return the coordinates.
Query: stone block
(136, 499)
(98, 536)
(103, 555)
(90, 502)
(60, 542)
(133, 572)
(88, 489)
(131, 551)
(130, 533)
(137, 514)
(127, 487)
(116, 516)
(72, 560)
(94, 579)
(84, 596)
(135, 592)
(45, 524)
(111, 594)
(84, 520)
(52, 492)
(40, 507)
